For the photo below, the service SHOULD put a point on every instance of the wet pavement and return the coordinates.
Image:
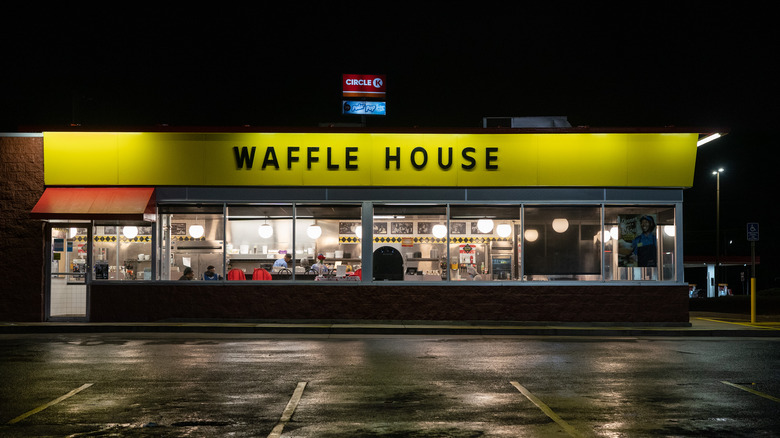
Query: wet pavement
(717, 376)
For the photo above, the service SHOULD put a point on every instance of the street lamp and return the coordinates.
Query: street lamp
(717, 221)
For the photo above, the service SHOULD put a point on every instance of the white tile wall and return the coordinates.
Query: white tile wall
(67, 299)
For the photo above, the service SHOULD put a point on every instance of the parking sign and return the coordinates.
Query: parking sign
(752, 231)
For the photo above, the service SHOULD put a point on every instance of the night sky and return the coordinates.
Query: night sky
(677, 64)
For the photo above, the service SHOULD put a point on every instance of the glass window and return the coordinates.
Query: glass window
(192, 241)
(640, 243)
(562, 243)
(410, 242)
(123, 251)
(328, 241)
(259, 242)
(483, 242)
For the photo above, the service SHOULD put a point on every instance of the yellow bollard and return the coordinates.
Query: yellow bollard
(753, 300)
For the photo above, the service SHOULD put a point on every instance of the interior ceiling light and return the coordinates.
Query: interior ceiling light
(359, 231)
(130, 231)
(485, 225)
(265, 231)
(196, 231)
(560, 225)
(439, 231)
(531, 235)
(314, 231)
(504, 230)
(669, 230)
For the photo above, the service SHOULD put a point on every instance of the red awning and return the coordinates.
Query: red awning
(95, 203)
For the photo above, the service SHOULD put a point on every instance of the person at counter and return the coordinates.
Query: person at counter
(473, 274)
(283, 263)
(319, 268)
(188, 274)
(211, 273)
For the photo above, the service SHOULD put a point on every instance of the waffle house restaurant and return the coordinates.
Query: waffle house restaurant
(503, 225)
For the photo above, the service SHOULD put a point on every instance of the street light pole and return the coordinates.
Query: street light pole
(717, 224)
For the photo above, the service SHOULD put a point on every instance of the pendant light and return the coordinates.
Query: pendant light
(265, 231)
(503, 230)
(560, 225)
(130, 231)
(439, 231)
(196, 231)
(485, 225)
(531, 235)
(314, 231)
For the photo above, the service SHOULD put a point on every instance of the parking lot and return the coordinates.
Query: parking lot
(166, 384)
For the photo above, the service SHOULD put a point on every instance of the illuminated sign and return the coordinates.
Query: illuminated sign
(364, 108)
(369, 159)
(368, 86)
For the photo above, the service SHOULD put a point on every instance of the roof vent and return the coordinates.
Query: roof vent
(526, 122)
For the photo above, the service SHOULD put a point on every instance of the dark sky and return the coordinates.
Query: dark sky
(448, 64)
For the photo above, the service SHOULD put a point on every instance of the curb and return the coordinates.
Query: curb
(381, 329)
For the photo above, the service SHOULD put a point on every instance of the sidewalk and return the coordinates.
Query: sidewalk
(701, 324)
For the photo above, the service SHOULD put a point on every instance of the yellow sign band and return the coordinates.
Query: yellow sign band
(370, 159)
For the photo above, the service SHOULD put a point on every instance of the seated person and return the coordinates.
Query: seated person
(211, 273)
(319, 268)
(188, 274)
(282, 263)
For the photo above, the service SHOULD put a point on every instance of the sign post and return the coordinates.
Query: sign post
(752, 237)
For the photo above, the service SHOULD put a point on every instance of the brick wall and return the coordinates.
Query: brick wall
(21, 238)
(269, 301)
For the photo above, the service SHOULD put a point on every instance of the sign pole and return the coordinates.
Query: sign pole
(752, 236)
(753, 282)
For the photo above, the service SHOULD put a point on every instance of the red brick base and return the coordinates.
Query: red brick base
(158, 302)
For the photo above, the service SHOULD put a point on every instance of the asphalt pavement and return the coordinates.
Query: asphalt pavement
(700, 324)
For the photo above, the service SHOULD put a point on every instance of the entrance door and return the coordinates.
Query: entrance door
(69, 271)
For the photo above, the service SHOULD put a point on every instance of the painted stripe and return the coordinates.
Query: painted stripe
(752, 391)
(51, 403)
(761, 325)
(546, 409)
(288, 411)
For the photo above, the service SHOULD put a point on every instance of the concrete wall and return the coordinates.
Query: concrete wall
(21, 238)
(267, 301)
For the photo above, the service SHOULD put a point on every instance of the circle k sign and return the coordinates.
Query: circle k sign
(363, 85)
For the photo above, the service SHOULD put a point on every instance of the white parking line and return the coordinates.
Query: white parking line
(546, 409)
(288, 411)
(51, 403)
(752, 391)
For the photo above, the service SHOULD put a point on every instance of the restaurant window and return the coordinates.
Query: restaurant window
(258, 239)
(328, 242)
(562, 243)
(410, 242)
(123, 251)
(640, 243)
(192, 239)
(483, 242)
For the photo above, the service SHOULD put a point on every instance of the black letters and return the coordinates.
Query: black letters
(396, 158)
(244, 157)
(331, 166)
(290, 158)
(349, 158)
(449, 160)
(270, 158)
(414, 161)
(489, 158)
(311, 158)
(468, 158)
